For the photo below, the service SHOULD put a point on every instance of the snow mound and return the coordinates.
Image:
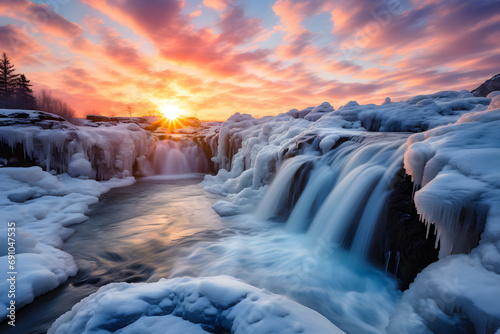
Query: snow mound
(456, 167)
(42, 206)
(190, 305)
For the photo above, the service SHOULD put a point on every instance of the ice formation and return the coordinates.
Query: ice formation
(111, 151)
(456, 167)
(189, 305)
(42, 206)
(453, 168)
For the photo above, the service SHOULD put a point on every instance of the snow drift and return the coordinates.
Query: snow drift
(42, 206)
(189, 305)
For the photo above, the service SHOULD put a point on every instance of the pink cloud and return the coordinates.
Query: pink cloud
(293, 12)
(40, 16)
(20, 46)
(116, 48)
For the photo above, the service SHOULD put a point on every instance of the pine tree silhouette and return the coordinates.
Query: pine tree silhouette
(8, 82)
(24, 94)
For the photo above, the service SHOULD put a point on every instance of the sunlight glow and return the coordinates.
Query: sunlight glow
(170, 111)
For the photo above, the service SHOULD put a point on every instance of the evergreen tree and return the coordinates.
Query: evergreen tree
(24, 94)
(8, 81)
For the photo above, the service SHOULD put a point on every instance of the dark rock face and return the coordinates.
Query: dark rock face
(107, 119)
(37, 118)
(404, 248)
(295, 189)
(487, 87)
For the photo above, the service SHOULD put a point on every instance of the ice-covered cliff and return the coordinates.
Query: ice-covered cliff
(38, 138)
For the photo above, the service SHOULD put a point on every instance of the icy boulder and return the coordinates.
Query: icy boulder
(219, 304)
(456, 169)
(319, 111)
(79, 166)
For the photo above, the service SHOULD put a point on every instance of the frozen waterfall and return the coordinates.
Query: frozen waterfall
(337, 198)
(179, 157)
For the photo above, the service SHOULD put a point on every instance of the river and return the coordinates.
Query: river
(160, 228)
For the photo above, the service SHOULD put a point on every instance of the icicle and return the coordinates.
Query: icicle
(398, 257)
(387, 255)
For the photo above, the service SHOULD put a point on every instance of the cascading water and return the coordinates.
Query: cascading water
(345, 192)
(179, 157)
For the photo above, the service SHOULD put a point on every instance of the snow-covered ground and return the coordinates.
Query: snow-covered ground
(42, 206)
(189, 305)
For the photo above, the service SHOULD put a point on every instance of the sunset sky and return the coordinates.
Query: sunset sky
(213, 58)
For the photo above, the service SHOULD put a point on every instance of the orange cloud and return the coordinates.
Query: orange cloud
(195, 14)
(217, 4)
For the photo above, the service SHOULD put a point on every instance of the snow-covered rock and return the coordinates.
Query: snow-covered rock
(189, 305)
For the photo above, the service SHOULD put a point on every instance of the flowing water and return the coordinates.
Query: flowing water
(133, 234)
(167, 228)
(179, 157)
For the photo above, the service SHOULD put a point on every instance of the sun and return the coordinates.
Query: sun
(170, 111)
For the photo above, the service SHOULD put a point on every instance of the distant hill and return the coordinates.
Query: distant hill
(487, 87)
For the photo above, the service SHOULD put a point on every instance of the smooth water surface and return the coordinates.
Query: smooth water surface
(133, 235)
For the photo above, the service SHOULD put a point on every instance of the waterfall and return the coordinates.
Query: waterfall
(179, 157)
(341, 194)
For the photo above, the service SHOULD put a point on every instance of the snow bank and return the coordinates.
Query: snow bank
(42, 206)
(418, 113)
(456, 167)
(189, 305)
(98, 152)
